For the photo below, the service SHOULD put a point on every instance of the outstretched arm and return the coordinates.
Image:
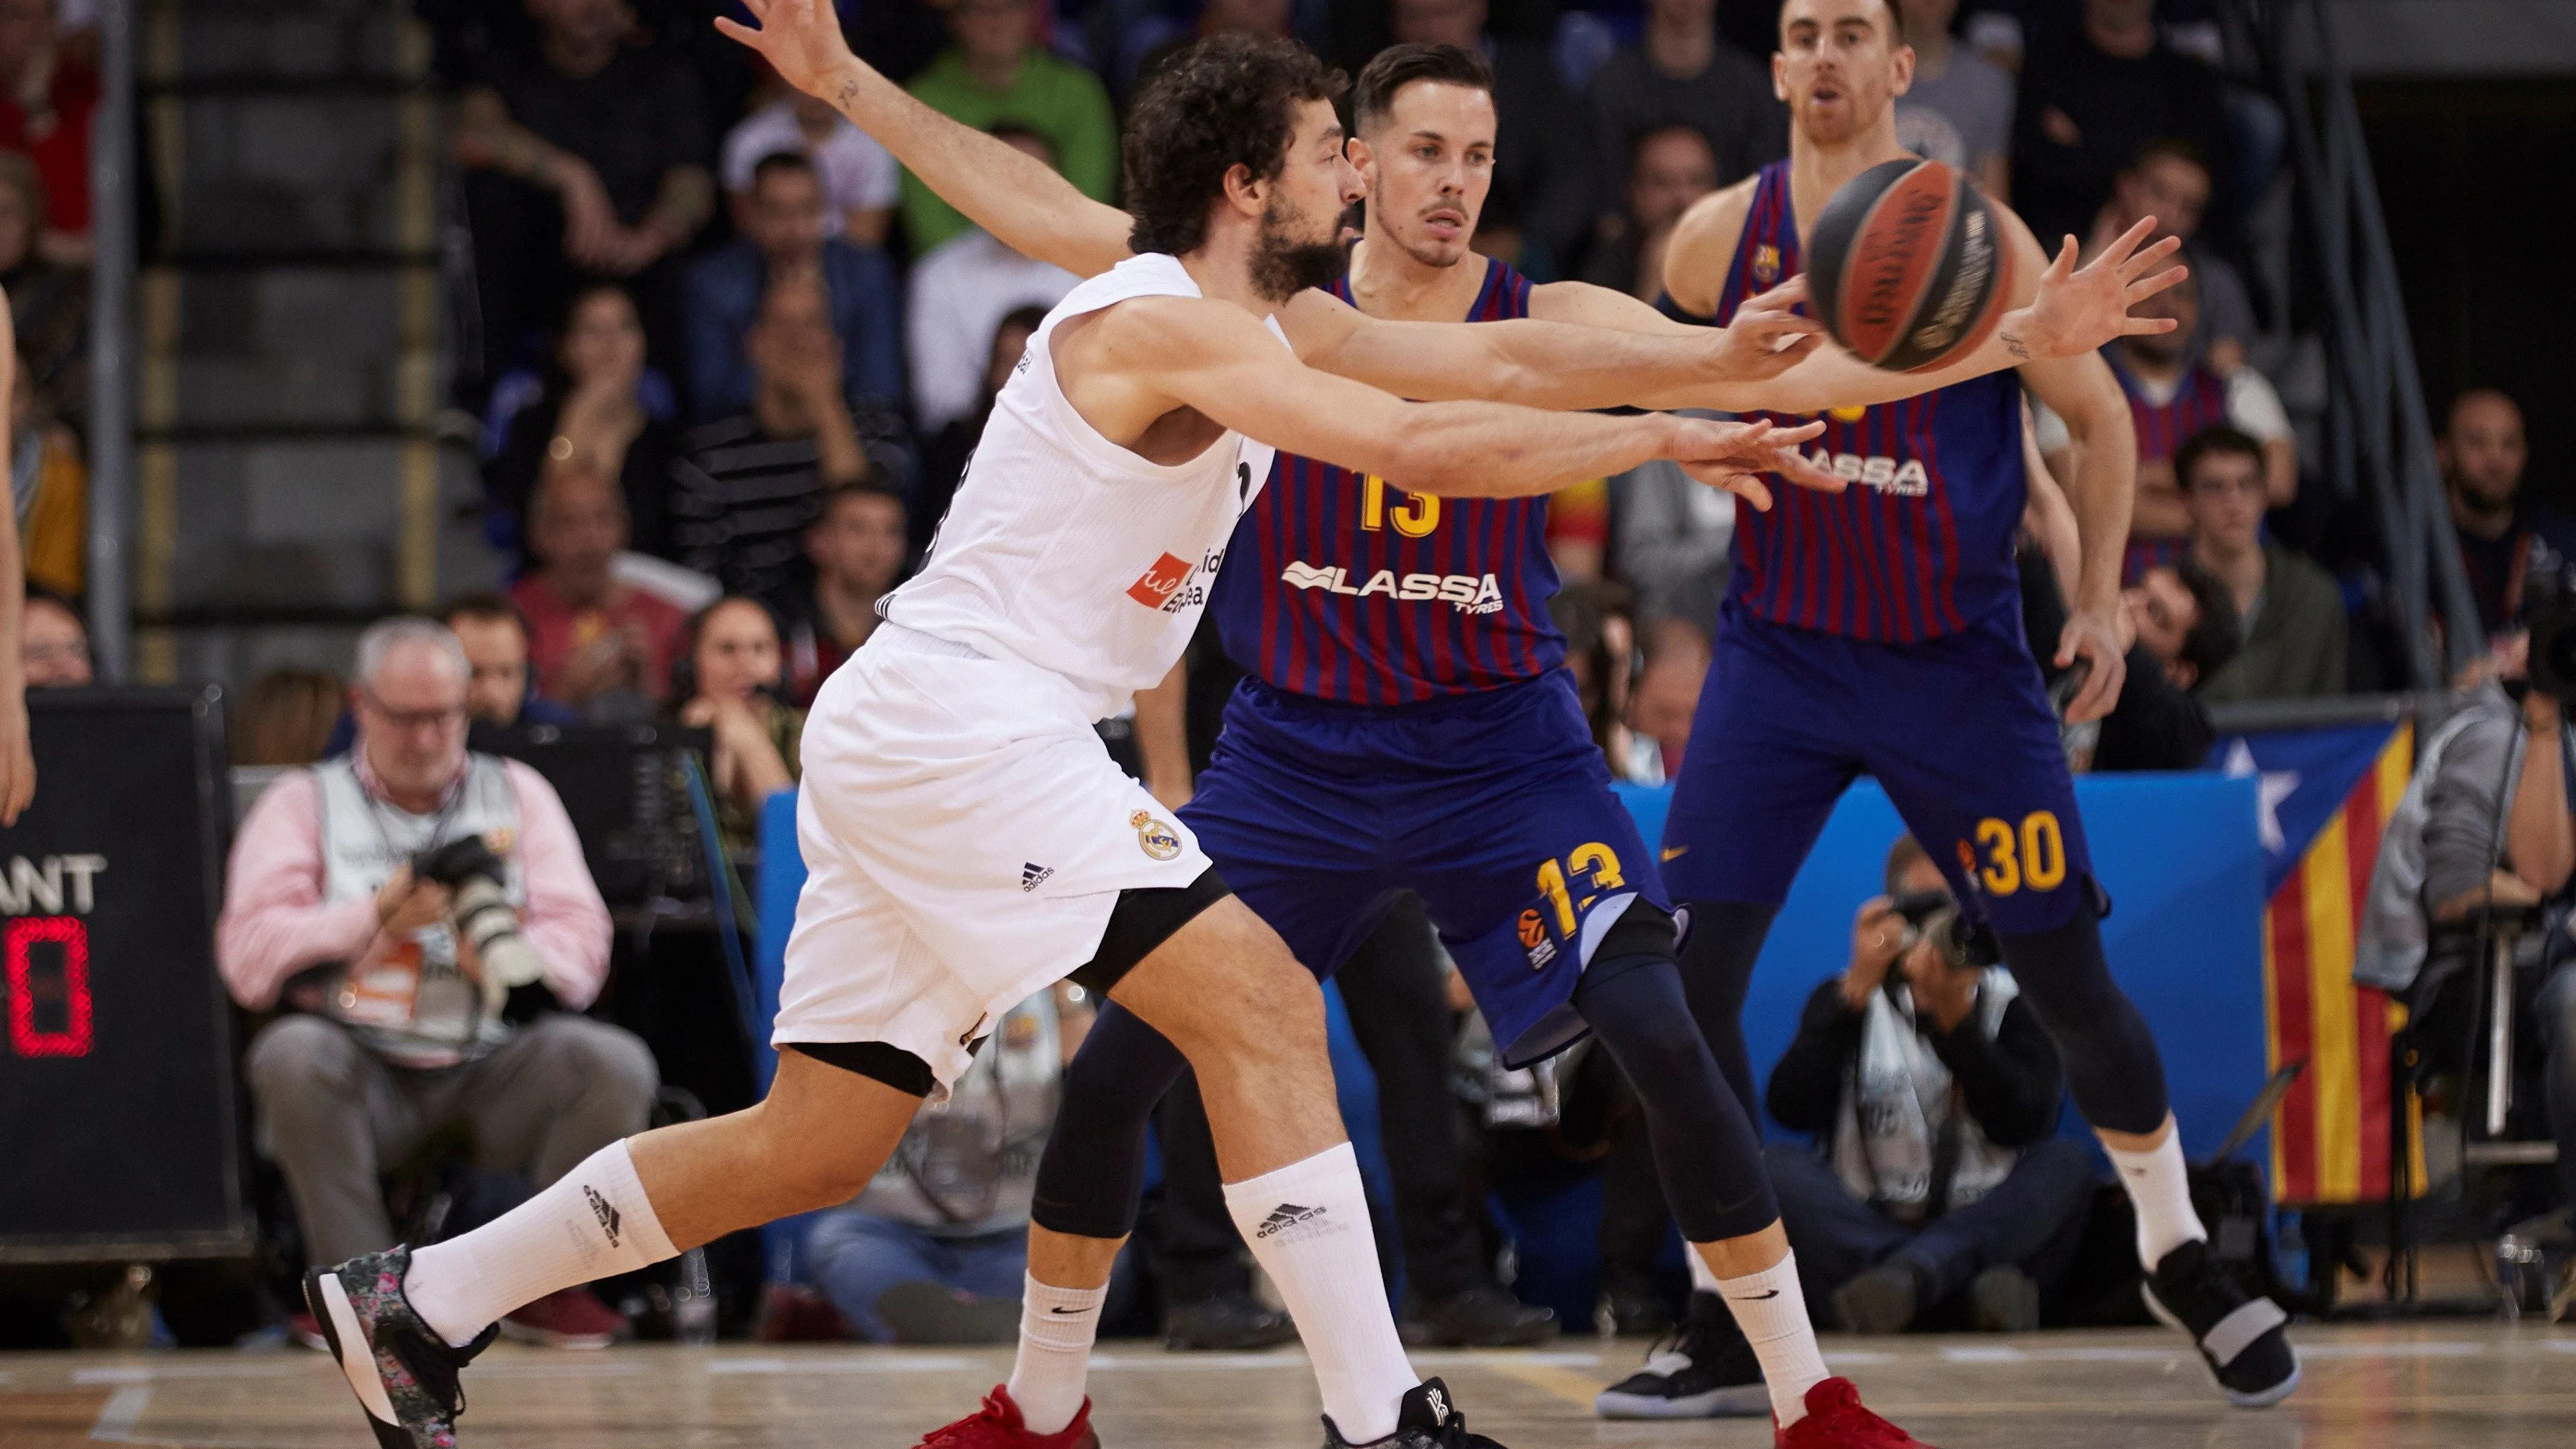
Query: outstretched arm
(17, 756)
(1015, 196)
(1182, 352)
(2101, 488)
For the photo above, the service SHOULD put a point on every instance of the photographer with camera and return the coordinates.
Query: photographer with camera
(1932, 1090)
(391, 900)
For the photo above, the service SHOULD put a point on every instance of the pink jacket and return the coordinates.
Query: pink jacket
(275, 923)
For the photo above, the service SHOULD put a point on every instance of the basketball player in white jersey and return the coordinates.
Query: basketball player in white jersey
(969, 841)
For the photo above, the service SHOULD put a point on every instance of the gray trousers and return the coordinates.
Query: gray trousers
(333, 1114)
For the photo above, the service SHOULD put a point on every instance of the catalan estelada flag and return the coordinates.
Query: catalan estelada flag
(2326, 795)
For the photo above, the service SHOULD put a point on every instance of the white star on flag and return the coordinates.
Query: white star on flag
(2274, 787)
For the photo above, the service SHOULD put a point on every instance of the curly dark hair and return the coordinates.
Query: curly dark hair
(1228, 101)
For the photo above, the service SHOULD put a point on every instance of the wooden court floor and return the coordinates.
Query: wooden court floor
(2468, 1384)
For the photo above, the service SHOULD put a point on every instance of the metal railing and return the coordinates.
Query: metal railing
(2379, 440)
(113, 184)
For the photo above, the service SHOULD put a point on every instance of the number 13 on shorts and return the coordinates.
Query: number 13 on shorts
(2005, 858)
(1593, 869)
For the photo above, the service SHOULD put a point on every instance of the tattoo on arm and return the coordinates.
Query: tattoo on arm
(848, 93)
(2014, 346)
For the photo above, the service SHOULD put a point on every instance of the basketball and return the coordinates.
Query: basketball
(1907, 266)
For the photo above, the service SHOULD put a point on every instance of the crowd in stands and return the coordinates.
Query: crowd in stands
(732, 362)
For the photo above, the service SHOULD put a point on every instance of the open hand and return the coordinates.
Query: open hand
(1767, 336)
(801, 40)
(2078, 311)
(2093, 636)
(1734, 456)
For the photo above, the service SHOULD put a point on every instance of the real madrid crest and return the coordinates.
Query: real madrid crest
(1158, 840)
(1766, 264)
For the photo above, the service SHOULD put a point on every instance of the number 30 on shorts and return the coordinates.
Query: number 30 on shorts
(2033, 856)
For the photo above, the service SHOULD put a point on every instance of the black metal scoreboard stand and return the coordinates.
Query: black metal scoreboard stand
(119, 1139)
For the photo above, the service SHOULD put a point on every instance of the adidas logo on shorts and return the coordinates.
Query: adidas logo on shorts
(1306, 1222)
(1033, 875)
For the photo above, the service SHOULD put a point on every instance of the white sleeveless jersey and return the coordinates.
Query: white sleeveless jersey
(1068, 552)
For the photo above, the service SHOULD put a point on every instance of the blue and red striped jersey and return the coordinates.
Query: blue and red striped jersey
(2199, 401)
(1921, 543)
(1343, 586)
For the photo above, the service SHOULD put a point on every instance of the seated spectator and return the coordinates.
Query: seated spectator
(749, 484)
(1959, 110)
(1680, 73)
(48, 300)
(1216, 17)
(944, 460)
(861, 182)
(47, 97)
(1671, 541)
(2092, 97)
(2482, 453)
(1666, 698)
(2179, 629)
(2170, 182)
(394, 1031)
(289, 718)
(1932, 1090)
(1544, 151)
(502, 690)
(598, 406)
(857, 545)
(1673, 167)
(730, 685)
(2289, 610)
(53, 642)
(2172, 397)
(783, 236)
(934, 1251)
(2486, 844)
(49, 487)
(588, 157)
(1600, 629)
(997, 72)
(961, 291)
(599, 645)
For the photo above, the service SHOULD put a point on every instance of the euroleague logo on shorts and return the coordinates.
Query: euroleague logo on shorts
(1534, 939)
(1157, 839)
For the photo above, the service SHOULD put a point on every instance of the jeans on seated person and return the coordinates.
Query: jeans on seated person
(2031, 1221)
(334, 1115)
(2556, 1013)
(853, 1257)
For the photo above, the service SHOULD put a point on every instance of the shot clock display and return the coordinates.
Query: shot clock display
(119, 1137)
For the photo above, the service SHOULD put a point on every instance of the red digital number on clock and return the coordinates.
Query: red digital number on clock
(63, 989)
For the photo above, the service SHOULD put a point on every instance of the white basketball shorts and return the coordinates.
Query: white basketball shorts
(965, 838)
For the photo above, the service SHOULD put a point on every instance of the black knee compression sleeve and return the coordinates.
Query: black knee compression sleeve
(1717, 970)
(1092, 1174)
(2112, 1066)
(1706, 1152)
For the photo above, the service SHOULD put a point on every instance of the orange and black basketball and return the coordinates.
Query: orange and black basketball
(1907, 266)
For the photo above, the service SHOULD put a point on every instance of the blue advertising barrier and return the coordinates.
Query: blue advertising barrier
(2179, 854)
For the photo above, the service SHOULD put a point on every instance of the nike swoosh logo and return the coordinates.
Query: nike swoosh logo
(1759, 1297)
(1675, 852)
(1077, 1310)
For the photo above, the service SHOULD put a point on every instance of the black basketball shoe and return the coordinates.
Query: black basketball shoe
(2240, 1337)
(403, 1372)
(1707, 1371)
(1428, 1419)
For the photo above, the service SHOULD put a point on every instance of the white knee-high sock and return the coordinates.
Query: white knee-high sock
(1772, 1310)
(1057, 1326)
(2160, 1187)
(591, 1222)
(1308, 1224)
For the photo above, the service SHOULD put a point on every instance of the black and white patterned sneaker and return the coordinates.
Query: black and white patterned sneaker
(2240, 1337)
(1707, 1371)
(1427, 1419)
(403, 1372)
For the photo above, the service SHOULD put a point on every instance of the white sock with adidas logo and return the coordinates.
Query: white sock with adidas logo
(586, 1225)
(1308, 1226)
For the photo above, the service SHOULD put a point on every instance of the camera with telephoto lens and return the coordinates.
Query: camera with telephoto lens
(2549, 604)
(1933, 916)
(480, 910)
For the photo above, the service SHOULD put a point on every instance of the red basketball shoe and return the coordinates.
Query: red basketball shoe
(997, 1426)
(1836, 1420)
